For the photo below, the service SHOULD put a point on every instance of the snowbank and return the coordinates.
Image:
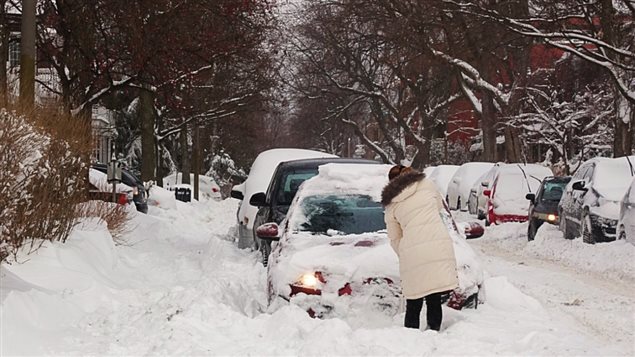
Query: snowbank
(613, 259)
(178, 286)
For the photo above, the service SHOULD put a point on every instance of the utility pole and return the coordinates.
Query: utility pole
(27, 54)
(196, 157)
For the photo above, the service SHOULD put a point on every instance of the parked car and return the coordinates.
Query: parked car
(441, 177)
(478, 200)
(543, 205)
(99, 189)
(626, 222)
(590, 205)
(332, 252)
(139, 193)
(463, 181)
(507, 200)
(429, 170)
(259, 178)
(274, 203)
(207, 187)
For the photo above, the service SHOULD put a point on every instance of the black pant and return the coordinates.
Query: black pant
(434, 313)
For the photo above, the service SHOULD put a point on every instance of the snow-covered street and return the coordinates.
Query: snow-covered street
(179, 286)
(598, 298)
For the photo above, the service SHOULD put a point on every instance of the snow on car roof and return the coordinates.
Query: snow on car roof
(100, 181)
(612, 177)
(367, 179)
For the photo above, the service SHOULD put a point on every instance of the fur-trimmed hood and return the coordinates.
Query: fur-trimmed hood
(398, 184)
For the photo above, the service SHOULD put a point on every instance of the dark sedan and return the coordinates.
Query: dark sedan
(543, 205)
(139, 196)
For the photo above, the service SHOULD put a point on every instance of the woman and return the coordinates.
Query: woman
(421, 240)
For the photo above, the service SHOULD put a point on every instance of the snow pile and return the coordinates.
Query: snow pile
(162, 198)
(614, 259)
(208, 188)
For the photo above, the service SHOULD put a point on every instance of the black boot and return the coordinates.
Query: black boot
(434, 313)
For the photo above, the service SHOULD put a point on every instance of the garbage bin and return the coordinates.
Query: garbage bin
(183, 194)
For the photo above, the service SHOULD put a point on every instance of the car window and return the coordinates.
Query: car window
(552, 190)
(588, 174)
(346, 214)
(580, 173)
(290, 183)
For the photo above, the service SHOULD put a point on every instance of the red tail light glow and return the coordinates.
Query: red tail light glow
(122, 199)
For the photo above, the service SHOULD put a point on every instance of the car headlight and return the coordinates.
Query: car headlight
(551, 217)
(309, 280)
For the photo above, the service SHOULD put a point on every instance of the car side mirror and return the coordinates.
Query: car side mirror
(237, 195)
(474, 230)
(268, 231)
(579, 186)
(258, 199)
(487, 192)
(531, 197)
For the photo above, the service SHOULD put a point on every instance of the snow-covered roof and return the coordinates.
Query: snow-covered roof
(348, 178)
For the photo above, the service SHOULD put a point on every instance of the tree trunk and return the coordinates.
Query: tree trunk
(196, 158)
(488, 125)
(27, 54)
(4, 52)
(146, 118)
(513, 152)
(623, 140)
(185, 157)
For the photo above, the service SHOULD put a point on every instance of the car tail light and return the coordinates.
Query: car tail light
(346, 290)
(215, 189)
(309, 284)
(122, 199)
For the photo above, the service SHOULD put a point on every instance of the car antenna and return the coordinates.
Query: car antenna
(631, 165)
(524, 174)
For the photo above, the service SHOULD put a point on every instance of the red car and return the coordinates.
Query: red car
(507, 200)
(332, 255)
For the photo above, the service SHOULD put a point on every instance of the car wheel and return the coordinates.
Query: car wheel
(531, 230)
(586, 228)
(458, 203)
(622, 233)
(564, 228)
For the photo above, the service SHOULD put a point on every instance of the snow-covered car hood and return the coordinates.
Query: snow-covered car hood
(341, 260)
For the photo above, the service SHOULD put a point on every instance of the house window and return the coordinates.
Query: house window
(14, 54)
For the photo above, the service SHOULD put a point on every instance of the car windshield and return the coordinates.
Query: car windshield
(341, 214)
(552, 190)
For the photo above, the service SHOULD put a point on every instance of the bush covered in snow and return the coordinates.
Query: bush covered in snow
(42, 177)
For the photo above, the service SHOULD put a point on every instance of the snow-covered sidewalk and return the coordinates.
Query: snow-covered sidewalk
(179, 286)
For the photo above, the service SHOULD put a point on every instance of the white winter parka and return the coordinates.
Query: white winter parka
(419, 236)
